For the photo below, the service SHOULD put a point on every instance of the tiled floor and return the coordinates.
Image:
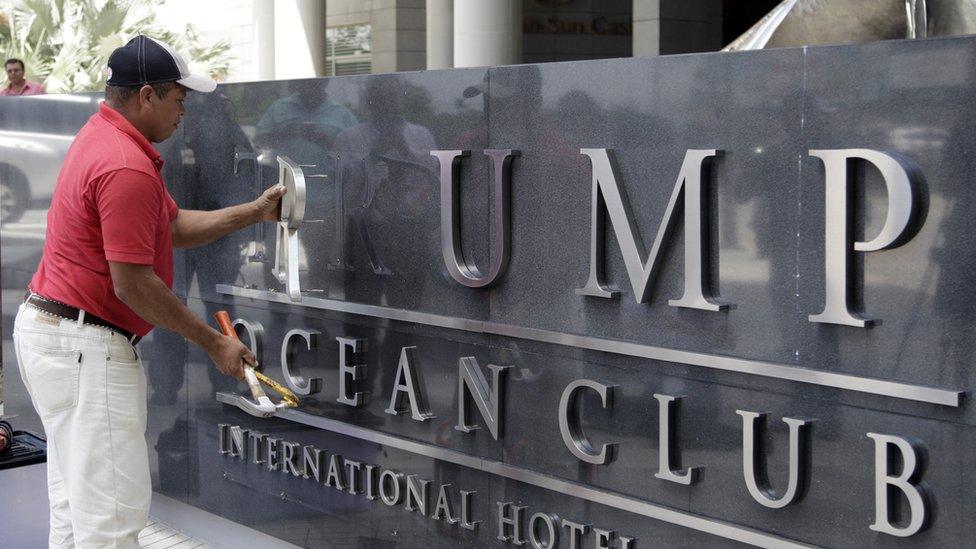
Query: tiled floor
(160, 536)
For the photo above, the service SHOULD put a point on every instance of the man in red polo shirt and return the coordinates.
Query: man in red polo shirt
(17, 84)
(103, 282)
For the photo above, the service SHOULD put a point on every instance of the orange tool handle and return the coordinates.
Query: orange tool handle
(226, 326)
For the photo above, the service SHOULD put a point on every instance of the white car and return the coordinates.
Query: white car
(35, 133)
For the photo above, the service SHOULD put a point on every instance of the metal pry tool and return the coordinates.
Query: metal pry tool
(261, 406)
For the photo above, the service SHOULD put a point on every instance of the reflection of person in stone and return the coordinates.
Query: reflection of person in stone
(952, 255)
(213, 137)
(512, 98)
(104, 280)
(396, 151)
(304, 124)
(388, 173)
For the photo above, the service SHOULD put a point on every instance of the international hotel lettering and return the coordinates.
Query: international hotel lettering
(902, 502)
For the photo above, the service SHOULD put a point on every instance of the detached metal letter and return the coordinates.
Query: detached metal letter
(610, 197)
(462, 269)
(287, 249)
(900, 177)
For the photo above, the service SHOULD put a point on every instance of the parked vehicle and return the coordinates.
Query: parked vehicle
(35, 133)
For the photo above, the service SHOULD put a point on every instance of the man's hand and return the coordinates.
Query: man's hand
(269, 203)
(193, 228)
(229, 355)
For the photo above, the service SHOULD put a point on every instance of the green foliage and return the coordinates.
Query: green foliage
(66, 43)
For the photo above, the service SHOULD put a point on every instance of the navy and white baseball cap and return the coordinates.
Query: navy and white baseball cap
(145, 60)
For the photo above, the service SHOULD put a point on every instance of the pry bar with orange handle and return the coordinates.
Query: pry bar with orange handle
(262, 406)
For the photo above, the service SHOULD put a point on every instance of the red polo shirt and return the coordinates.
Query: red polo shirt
(30, 88)
(109, 204)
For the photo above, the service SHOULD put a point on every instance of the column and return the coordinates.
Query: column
(664, 27)
(487, 33)
(299, 36)
(398, 35)
(264, 40)
(647, 28)
(440, 34)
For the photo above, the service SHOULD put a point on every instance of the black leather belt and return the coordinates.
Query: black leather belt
(59, 309)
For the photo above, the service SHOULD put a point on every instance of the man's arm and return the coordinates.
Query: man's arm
(193, 228)
(146, 294)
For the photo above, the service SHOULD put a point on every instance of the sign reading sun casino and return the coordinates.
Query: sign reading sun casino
(903, 506)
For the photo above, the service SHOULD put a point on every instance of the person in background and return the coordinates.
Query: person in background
(304, 123)
(17, 84)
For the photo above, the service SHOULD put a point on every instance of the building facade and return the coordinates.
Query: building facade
(341, 37)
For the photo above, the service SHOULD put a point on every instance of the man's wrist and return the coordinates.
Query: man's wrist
(209, 339)
(255, 212)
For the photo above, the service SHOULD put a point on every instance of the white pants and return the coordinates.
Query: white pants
(88, 386)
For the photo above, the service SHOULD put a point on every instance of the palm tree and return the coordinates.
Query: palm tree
(67, 42)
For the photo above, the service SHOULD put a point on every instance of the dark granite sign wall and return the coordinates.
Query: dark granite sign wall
(776, 430)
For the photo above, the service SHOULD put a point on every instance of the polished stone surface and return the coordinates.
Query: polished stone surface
(892, 97)
(750, 107)
(372, 216)
(840, 478)
(372, 236)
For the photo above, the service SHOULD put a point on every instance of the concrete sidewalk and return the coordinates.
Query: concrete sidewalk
(172, 524)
